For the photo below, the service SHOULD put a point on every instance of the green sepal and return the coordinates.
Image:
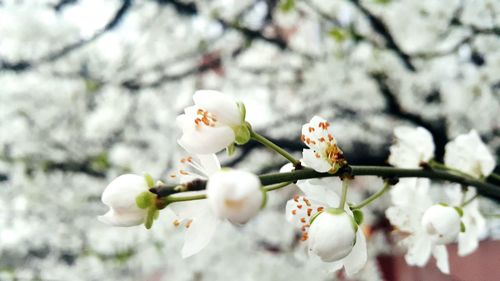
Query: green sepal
(149, 180)
(462, 227)
(338, 34)
(354, 226)
(230, 149)
(443, 204)
(144, 200)
(358, 216)
(150, 217)
(264, 198)
(243, 111)
(459, 210)
(242, 134)
(287, 5)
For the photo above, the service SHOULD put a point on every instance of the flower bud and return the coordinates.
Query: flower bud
(332, 235)
(442, 223)
(120, 196)
(234, 195)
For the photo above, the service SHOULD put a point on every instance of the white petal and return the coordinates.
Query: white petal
(335, 266)
(356, 260)
(325, 195)
(206, 140)
(475, 226)
(400, 218)
(199, 234)
(123, 219)
(413, 145)
(419, 249)
(189, 209)
(441, 255)
(402, 194)
(469, 154)
(467, 241)
(224, 107)
(122, 191)
(313, 131)
(210, 163)
(317, 164)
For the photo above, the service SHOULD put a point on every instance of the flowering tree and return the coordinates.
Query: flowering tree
(90, 90)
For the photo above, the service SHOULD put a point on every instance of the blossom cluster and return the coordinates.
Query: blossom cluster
(201, 194)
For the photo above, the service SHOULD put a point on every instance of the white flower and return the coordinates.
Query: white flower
(120, 195)
(234, 195)
(317, 199)
(209, 125)
(410, 198)
(323, 154)
(412, 146)
(195, 217)
(332, 235)
(473, 220)
(442, 223)
(470, 155)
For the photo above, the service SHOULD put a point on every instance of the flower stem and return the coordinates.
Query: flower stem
(495, 176)
(465, 203)
(274, 147)
(494, 216)
(172, 198)
(343, 198)
(437, 165)
(276, 186)
(483, 188)
(487, 189)
(372, 198)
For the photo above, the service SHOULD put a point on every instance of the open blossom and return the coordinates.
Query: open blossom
(196, 218)
(323, 154)
(442, 223)
(412, 146)
(470, 155)
(322, 241)
(234, 195)
(120, 196)
(211, 124)
(473, 220)
(411, 199)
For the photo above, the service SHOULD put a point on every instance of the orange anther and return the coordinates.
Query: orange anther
(308, 203)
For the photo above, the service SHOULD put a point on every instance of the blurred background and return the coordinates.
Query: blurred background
(89, 89)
